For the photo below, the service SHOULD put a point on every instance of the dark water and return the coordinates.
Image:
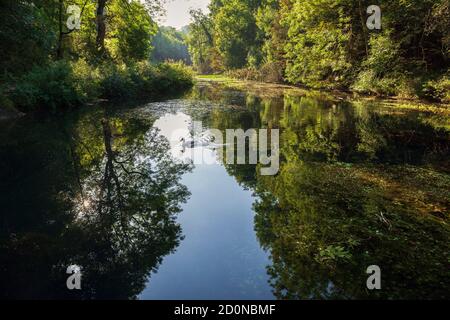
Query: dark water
(107, 188)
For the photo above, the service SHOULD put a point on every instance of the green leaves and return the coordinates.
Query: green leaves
(334, 254)
(327, 44)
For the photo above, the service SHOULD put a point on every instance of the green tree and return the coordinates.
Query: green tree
(131, 31)
(28, 34)
(200, 40)
(237, 37)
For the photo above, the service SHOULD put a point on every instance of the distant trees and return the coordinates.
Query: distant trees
(170, 44)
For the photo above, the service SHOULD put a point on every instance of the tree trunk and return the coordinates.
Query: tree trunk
(59, 50)
(363, 25)
(101, 25)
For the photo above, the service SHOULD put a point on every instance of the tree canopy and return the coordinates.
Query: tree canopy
(326, 43)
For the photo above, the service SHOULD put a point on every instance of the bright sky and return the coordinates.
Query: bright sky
(178, 11)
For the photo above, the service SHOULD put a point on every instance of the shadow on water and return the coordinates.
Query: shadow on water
(359, 185)
(93, 190)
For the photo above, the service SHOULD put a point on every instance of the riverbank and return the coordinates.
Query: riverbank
(63, 85)
(266, 89)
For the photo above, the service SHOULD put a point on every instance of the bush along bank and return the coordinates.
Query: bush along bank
(63, 85)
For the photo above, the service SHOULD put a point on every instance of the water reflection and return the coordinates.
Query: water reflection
(219, 257)
(100, 192)
(359, 184)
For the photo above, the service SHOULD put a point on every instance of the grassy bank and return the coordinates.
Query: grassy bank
(430, 88)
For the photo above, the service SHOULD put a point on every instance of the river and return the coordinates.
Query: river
(111, 189)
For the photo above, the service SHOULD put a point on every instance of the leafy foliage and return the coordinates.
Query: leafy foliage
(326, 44)
(51, 87)
(44, 65)
(60, 85)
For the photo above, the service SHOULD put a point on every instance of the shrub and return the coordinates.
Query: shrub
(271, 72)
(438, 89)
(116, 82)
(61, 85)
(87, 79)
(143, 79)
(243, 74)
(393, 84)
(381, 72)
(51, 87)
(174, 76)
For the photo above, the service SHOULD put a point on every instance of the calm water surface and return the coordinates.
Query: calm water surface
(111, 189)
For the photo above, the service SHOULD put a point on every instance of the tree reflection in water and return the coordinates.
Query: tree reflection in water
(104, 197)
(358, 186)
